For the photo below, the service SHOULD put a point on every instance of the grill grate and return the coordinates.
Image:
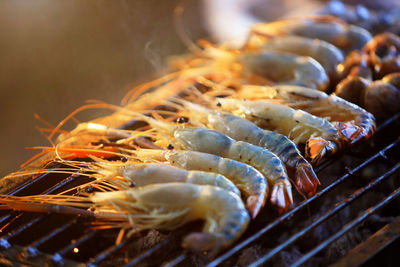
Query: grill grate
(369, 168)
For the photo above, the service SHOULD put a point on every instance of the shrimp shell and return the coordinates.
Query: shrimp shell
(328, 55)
(213, 142)
(284, 68)
(327, 28)
(241, 129)
(249, 181)
(142, 174)
(319, 135)
(216, 143)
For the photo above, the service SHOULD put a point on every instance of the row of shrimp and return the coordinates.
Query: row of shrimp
(217, 139)
(276, 72)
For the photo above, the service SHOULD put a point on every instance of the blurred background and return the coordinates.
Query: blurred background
(57, 54)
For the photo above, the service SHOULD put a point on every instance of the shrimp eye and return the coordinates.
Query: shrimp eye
(132, 184)
(182, 120)
(219, 104)
(170, 147)
(124, 159)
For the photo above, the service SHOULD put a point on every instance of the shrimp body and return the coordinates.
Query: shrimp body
(328, 55)
(327, 28)
(248, 180)
(284, 68)
(213, 142)
(216, 143)
(352, 122)
(319, 135)
(142, 174)
(158, 206)
(241, 129)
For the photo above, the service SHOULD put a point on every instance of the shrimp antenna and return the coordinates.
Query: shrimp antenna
(181, 31)
(139, 90)
(73, 113)
(42, 120)
(49, 128)
(31, 159)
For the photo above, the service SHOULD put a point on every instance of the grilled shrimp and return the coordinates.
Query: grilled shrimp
(284, 68)
(249, 181)
(216, 143)
(124, 175)
(159, 206)
(142, 174)
(319, 135)
(232, 67)
(352, 122)
(241, 129)
(327, 28)
(328, 55)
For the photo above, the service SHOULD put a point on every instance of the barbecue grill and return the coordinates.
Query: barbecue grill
(353, 220)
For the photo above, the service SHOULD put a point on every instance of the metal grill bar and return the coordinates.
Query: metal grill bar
(106, 253)
(51, 235)
(147, 253)
(76, 243)
(176, 261)
(50, 190)
(324, 217)
(348, 226)
(302, 205)
(22, 228)
(14, 214)
(384, 238)
(58, 186)
(27, 185)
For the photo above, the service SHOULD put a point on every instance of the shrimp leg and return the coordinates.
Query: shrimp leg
(151, 173)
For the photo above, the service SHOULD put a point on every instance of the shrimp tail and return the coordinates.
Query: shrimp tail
(318, 148)
(306, 179)
(254, 204)
(281, 197)
(354, 133)
(350, 132)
